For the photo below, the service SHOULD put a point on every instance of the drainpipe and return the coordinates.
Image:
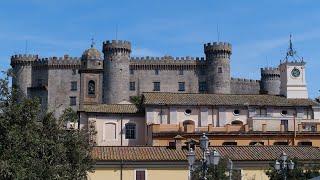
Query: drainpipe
(294, 127)
(121, 132)
(121, 168)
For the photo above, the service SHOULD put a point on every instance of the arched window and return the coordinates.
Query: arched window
(130, 131)
(110, 132)
(91, 88)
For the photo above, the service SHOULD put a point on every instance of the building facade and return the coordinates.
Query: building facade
(178, 96)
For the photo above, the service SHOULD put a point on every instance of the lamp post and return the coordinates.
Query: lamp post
(230, 168)
(283, 165)
(207, 157)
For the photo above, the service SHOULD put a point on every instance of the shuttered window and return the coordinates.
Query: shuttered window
(140, 175)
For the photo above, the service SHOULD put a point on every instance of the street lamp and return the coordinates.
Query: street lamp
(283, 165)
(230, 167)
(207, 157)
(191, 159)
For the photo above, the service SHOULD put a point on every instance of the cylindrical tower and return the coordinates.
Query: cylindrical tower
(22, 72)
(270, 81)
(116, 71)
(218, 67)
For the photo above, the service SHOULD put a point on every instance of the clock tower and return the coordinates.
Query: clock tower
(292, 75)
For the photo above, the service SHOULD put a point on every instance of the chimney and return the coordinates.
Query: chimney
(178, 142)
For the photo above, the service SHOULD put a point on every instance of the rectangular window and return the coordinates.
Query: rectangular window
(132, 86)
(156, 72)
(73, 101)
(219, 69)
(181, 72)
(156, 86)
(130, 131)
(140, 175)
(74, 86)
(131, 71)
(181, 86)
(202, 86)
(40, 82)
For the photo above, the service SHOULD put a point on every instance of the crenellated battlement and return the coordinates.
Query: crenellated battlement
(242, 80)
(270, 72)
(23, 59)
(167, 63)
(116, 45)
(167, 58)
(216, 47)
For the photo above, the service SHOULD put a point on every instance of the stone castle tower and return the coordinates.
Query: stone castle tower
(22, 71)
(116, 71)
(218, 67)
(270, 81)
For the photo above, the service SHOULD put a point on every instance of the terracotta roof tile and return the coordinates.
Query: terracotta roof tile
(235, 153)
(111, 108)
(156, 98)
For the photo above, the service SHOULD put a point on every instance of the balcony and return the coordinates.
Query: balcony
(190, 128)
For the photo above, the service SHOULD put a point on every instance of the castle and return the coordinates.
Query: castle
(180, 96)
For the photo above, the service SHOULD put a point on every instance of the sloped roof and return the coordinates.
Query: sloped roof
(235, 153)
(157, 98)
(111, 108)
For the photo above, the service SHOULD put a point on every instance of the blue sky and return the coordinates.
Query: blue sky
(258, 30)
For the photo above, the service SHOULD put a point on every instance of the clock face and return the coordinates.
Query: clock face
(295, 72)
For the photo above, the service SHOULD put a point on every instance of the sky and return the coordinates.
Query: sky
(258, 30)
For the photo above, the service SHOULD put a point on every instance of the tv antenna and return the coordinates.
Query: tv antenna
(218, 33)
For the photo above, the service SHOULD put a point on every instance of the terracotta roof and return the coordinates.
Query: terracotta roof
(111, 108)
(156, 98)
(235, 153)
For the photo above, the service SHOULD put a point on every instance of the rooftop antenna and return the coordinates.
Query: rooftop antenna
(26, 47)
(116, 31)
(218, 33)
(267, 61)
(92, 42)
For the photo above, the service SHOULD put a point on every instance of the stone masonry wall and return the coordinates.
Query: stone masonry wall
(244, 86)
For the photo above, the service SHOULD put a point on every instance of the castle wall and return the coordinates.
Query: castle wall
(244, 86)
(168, 79)
(59, 90)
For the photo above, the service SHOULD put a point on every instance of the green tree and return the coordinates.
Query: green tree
(298, 173)
(218, 172)
(34, 145)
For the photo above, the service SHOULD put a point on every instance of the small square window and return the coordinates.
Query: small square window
(74, 71)
(181, 72)
(181, 86)
(73, 101)
(156, 72)
(202, 86)
(74, 86)
(219, 69)
(132, 86)
(131, 71)
(156, 86)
